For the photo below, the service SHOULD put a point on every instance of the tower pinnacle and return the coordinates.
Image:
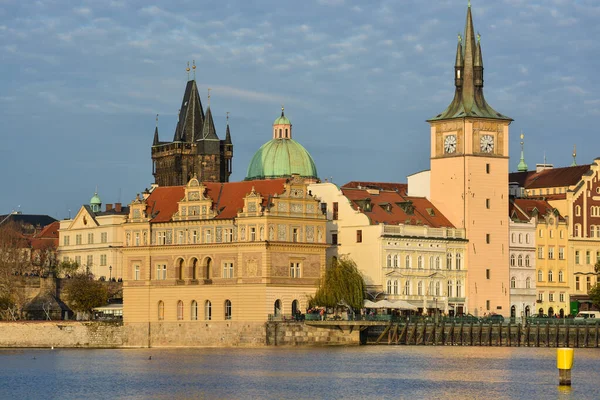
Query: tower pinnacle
(522, 167)
(574, 163)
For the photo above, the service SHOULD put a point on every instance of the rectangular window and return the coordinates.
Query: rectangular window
(335, 211)
(541, 252)
(103, 237)
(252, 234)
(577, 285)
(551, 297)
(228, 235)
(295, 234)
(576, 256)
(90, 260)
(77, 239)
(359, 236)
(487, 238)
(161, 272)
(136, 272)
(334, 238)
(161, 238)
(541, 296)
(295, 270)
(324, 208)
(194, 236)
(90, 238)
(208, 236)
(137, 238)
(487, 302)
(66, 241)
(228, 270)
(561, 297)
(588, 283)
(103, 260)
(179, 237)
(588, 257)
(78, 260)
(487, 203)
(66, 259)
(487, 171)
(550, 253)
(561, 253)
(488, 273)
(541, 233)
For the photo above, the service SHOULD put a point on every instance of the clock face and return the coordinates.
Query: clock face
(450, 144)
(487, 143)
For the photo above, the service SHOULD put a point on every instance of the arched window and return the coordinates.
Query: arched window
(395, 260)
(431, 262)
(395, 287)
(295, 307)
(577, 211)
(180, 269)
(512, 237)
(389, 261)
(520, 260)
(512, 260)
(458, 261)
(458, 288)
(449, 261)
(195, 268)
(437, 288)
(527, 238)
(527, 261)
(194, 311)
(520, 238)
(513, 282)
(437, 262)
(561, 277)
(407, 261)
(208, 268)
(420, 288)
(179, 310)
(207, 310)
(407, 288)
(449, 288)
(540, 275)
(227, 309)
(420, 262)
(161, 310)
(389, 287)
(550, 276)
(276, 308)
(528, 283)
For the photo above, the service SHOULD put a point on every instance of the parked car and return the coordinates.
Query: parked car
(590, 317)
(469, 318)
(493, 318)
(538, 319)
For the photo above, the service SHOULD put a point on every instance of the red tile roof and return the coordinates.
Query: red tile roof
(554, 177)
(228, 198)
(402, 188)
(424, 213)
(528, 205)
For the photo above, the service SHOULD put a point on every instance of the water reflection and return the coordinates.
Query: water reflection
(296, 373)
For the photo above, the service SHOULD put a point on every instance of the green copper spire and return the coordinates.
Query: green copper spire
(574, 163)
(522, 167)
(468, 77)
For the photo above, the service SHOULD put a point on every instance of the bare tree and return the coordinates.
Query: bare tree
(15, 256)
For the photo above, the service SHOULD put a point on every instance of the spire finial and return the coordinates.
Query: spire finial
(469, 4)
(209, 89)
(227, 117)
(194, 68)
(157, 120)
(282, 109)
(187, 69)
(522, 167)
(459, 37)
(478, 37)
(574, 164)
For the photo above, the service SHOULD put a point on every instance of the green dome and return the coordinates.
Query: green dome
(95, 200)
(280, 158)
(283, 120)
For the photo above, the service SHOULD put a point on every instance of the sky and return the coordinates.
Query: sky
(82, 83)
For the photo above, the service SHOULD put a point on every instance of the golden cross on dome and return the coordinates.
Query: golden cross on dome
(187, 69)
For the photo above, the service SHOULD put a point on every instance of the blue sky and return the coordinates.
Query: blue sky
(82, 82)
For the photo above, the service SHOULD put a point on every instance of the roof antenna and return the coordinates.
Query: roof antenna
(194, 68)
(188, 70)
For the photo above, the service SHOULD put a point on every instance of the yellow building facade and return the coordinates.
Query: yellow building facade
(239, 251)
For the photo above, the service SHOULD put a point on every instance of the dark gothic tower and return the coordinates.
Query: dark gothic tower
(195, 150)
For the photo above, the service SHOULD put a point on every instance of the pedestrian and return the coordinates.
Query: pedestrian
(322, 314)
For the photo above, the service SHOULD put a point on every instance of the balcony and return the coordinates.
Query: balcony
(423, 231)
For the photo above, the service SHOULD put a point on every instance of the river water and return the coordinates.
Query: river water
(365, 372)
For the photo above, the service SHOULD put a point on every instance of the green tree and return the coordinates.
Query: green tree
(85, 293)
(342, 281)
(594, 294)
(65, 268)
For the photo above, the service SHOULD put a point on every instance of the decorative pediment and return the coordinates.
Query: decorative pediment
(137, 209)
(84, 219)
(252, 203)
(195, 204)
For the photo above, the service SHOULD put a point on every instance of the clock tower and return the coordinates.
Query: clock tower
(469, 177)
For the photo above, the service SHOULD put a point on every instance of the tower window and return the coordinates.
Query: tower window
(487, 238)
(487, 168)
(487, 273)
(487, 203)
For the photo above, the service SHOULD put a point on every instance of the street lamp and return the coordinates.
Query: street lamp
(110, 273)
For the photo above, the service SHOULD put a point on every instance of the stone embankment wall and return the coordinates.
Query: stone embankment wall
(168, 334)
(61, 334)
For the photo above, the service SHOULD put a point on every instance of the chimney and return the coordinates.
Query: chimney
(118, 207)
(108, 207)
